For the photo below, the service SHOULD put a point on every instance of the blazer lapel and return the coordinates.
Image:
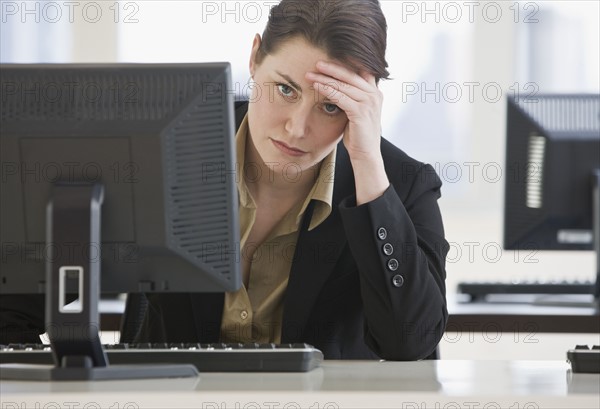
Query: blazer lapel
(316, 255)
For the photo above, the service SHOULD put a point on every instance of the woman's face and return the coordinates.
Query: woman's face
(292, 127)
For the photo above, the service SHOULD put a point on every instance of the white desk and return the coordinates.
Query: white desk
(337, 384)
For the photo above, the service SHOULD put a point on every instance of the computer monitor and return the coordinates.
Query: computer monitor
(115, 178)
(552, 174)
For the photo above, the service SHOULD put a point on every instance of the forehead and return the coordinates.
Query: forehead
(300, 47)
(295, 57)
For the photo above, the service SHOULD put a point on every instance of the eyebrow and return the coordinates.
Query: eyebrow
(291, 81)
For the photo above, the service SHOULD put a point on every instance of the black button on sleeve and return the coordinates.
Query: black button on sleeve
(392, 264)
(388, 249)
(398, 280)
(382, 233)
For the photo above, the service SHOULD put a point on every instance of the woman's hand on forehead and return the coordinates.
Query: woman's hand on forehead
(360, 99)
(358, 96)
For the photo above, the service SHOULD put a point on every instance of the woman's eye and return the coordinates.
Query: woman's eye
(285, 90)
(331, 108)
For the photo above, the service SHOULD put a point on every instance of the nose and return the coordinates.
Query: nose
(297, 123)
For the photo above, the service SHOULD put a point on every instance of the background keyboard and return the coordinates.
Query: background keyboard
(478, 290)
(206, 357)
(584, 359)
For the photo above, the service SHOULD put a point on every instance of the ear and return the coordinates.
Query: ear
(255, 46)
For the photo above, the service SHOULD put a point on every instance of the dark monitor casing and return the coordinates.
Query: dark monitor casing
(115, 178)
(552, 159)
(159, 138)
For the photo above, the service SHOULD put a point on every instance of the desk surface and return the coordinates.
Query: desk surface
(337, 384)
(524, 313)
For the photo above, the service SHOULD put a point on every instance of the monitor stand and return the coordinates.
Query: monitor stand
(72, 223)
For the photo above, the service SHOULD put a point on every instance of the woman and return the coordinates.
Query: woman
(342, 240)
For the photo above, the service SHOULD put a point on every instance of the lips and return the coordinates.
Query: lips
(288, 150)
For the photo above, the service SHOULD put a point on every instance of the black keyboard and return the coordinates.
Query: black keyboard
(478, 290)
(206, 357)
(584, 359)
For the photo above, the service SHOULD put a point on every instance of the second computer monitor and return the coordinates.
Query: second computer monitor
(552, 165)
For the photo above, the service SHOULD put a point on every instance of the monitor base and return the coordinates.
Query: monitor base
(30, 372)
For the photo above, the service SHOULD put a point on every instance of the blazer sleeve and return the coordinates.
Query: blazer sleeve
(400, 251)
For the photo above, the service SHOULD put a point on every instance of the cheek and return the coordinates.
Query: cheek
(265, 115)
(331, 136)
(334, 132)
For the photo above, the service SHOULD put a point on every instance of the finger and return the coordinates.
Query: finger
(334, 96)
(349, 90)
(343, 74)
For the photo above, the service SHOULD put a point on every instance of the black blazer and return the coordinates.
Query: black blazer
(345, 295)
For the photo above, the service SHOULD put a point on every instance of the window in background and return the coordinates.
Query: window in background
(34, 32)
(562, 52)
(195, 31)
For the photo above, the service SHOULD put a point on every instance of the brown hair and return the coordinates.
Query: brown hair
(351, 31)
